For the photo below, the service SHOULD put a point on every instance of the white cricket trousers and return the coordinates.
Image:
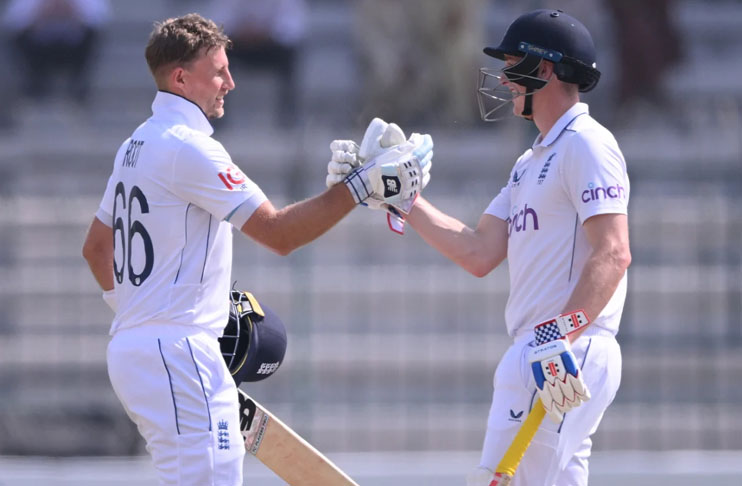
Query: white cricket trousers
(558, 454)
(175, 386)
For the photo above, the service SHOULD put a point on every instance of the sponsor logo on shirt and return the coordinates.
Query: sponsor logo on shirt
(596, 193)
(519, 219)
(233, 178)
(516, 178)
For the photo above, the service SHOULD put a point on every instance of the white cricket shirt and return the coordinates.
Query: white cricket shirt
(170, 200)
(576, 171)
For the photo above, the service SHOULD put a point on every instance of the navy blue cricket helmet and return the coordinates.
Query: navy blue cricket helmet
(533, 37)
(254, 339)
(557, 37)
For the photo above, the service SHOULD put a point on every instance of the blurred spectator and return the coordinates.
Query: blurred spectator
(648, 46)
(267, 34)
(420, 58)
(50, 37)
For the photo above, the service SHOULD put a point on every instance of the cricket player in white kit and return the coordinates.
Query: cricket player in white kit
(160, 246)
(561, 222)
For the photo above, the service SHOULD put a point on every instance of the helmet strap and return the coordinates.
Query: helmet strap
(528, 104)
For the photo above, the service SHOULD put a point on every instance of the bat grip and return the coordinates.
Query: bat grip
(510, 461)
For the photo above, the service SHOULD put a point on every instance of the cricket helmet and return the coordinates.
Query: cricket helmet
(254, 340)
(535, 36)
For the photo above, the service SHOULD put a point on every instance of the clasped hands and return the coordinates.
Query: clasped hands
(386, 171)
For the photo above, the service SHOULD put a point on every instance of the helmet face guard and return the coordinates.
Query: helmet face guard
(493, 94)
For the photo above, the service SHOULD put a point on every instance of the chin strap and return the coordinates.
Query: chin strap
(528, 104)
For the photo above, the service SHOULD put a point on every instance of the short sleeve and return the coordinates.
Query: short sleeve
(594, 176)
(105, 210)
(205, 175)
(500, 205)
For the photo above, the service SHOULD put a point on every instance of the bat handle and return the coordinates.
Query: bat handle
(501, 479)
(510, 461)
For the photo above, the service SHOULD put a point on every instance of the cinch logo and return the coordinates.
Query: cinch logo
(519, 219)
(593, 193)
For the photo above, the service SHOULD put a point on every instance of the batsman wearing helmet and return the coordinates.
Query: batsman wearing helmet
(160, 247)
(561, 223)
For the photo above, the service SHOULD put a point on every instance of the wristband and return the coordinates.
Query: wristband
(560, 326)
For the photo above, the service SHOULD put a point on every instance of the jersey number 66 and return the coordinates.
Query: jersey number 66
(135, 227)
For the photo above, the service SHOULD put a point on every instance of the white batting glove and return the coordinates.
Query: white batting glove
(396, 176)
(344, 159)
(347, 155)
(558, 378)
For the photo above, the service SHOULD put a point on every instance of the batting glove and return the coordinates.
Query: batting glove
(347, 155)
(558, 378)
(396, 176)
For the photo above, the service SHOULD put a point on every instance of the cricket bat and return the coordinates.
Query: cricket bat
(511, 459)
(284, 451)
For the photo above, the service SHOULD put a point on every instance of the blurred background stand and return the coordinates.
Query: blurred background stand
(391, 347)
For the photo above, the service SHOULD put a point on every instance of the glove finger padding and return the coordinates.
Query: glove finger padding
(340, 157)
(343, 160)
(344, 146)
(336, 172)
(558, 378)
(393, 135)
(379, 136)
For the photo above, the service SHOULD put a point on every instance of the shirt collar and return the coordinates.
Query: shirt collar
(562, 123)
(177, 108)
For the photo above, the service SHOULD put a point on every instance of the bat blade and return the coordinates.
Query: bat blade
(284, 451)
(512, 457)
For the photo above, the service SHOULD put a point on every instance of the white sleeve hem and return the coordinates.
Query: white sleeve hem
(104, 217)
(239, 215)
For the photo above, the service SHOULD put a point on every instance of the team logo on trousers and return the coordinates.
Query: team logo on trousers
(515, 417)
(223, 435)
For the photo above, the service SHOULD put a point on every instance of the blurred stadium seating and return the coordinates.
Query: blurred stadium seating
(391, 347)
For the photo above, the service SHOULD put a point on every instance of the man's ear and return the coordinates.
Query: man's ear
(546, 69)
(177, 78)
